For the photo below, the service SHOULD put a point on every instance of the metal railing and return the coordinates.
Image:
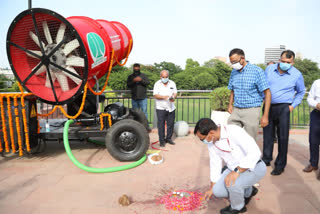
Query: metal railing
(191, 105)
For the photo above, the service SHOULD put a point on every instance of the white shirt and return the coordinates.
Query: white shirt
(165, 90)
(236, 148)
(314, 94)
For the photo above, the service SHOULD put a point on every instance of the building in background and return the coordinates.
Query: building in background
(7, 73)
(273, 53)
(9, 78)
(221, 58)
(299, 55)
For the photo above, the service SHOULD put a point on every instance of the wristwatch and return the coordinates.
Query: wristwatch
(237, 170)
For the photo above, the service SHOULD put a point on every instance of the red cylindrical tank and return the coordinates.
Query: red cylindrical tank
(54, 57)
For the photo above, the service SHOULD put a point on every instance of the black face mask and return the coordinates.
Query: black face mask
(136, 72)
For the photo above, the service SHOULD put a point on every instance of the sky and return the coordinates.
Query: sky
(175, 30)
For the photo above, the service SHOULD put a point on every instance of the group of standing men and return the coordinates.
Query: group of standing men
(280, 88)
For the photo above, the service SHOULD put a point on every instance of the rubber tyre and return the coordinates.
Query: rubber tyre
(127, 140)
(139, 116)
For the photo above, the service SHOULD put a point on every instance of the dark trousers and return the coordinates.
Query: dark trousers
(279, 117)
(314, 137)
(162, 116)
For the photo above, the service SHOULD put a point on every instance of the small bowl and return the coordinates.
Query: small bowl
(154, 162)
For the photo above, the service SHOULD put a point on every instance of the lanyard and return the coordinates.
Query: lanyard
(227, 141)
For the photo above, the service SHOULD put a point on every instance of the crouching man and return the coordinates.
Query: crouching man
(239, 151)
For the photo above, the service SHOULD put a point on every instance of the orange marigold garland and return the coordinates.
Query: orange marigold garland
(81, 106)
(16, 113)
(107, 79)
(26, 130)
(4, 127)
(48, 114)
(129, 49)
(1, 149)
(13, 146)
(101, 120)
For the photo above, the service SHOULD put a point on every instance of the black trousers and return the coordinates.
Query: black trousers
(279, 117)
(162, 116)
(314, 137)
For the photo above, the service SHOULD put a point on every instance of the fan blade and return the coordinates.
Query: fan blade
(47, 32)
(75, 61)
(70, 46)
(35, 39)
(53, 77)
(75, 79)
(40, 70)
(63, 81)
(60, 33)
(35, 52)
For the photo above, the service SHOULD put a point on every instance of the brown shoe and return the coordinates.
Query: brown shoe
(310, 168)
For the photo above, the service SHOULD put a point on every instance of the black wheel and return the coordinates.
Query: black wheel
(139, 116)
(127, 140)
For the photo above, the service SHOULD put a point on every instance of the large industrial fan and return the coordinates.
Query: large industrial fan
(54, 57)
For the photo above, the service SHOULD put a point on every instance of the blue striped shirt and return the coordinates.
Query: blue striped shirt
(248, 86)
(287, 87)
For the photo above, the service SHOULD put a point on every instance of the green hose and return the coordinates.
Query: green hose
(91, 169)
(95, 141)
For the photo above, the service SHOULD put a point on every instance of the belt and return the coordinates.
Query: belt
(278, 104)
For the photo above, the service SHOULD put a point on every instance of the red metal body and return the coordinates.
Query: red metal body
(94, 39)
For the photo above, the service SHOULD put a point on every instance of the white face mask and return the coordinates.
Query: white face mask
(237, 66)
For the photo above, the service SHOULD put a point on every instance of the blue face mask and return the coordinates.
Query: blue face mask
(206, 142)
(284, 66)
(164, 80)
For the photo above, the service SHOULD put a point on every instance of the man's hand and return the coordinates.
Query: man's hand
(230, 109)
(318, 106)
(208, 194)
(137, 79)
(231, 178)
(171, 99)
(264, 121)
(291, 108)
(165, 97)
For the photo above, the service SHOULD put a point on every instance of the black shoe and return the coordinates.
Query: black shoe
(254, 192)
(162, 144)
(229, 210)
(277, 171)
(171, 142)
(267, 163)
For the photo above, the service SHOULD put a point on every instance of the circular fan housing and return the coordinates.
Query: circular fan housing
(54, 57)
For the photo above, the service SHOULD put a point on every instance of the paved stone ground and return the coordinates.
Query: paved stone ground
(50, 183)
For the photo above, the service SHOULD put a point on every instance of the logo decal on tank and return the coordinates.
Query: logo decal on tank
(97, 49)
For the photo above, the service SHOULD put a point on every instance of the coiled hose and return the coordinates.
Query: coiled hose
(91, 169)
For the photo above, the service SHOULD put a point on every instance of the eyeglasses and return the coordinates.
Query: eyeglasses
(236, 62)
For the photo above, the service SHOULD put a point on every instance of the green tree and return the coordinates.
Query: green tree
(118, 80)
(190, 63)
(219, 99)
(205, 81)
(184, 80)
(118, 68)
(309, 70)
(3, 81)
(171, 67)
(262, 65)
(220, 69)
